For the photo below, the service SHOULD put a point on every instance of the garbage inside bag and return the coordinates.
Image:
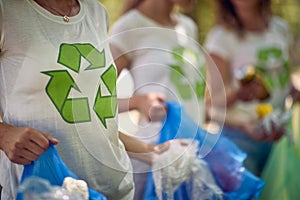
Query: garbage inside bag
(180, 164)
(35, 188)
(50, 167)
(223, 157)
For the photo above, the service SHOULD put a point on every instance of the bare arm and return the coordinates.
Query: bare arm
(218, 86)
(141, 150)
(23, 145)
(150, 105)
(120, 59)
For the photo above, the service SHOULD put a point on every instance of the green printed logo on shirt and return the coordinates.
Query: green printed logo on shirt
(77, 110)
(105, 106)
(185, 83)
(273, 66)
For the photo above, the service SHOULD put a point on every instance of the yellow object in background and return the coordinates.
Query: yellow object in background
(263, 109)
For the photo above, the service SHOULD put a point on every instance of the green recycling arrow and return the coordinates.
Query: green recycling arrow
(70, 56)
(181, 55)
(105, 106)
(263, 56)
(58, 89)
(177, 75)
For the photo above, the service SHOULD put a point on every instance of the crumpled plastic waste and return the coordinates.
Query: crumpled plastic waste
(278, 120)
(35, 188)
(179, 164)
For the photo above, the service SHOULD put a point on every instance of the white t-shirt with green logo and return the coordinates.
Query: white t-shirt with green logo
(60, 78)
(165, 60)
(268, 52)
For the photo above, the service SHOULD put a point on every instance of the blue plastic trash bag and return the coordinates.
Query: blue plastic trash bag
(223, 157)
(50, 167)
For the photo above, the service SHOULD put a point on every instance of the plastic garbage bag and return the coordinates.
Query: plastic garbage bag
(180, 164)
(223, 157)
(50, 167)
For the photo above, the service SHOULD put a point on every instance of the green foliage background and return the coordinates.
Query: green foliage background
(203, 14)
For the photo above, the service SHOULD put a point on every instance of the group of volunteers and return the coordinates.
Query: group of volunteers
(59, 66)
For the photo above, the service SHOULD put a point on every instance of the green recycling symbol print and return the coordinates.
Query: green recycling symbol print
(77, 110)
(271, 57)
(178, 73)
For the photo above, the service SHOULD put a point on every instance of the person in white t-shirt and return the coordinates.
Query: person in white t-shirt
(156, 49)
(246, 37)
(58, 83)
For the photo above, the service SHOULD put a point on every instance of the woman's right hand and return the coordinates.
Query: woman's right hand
(150, 105)
(23, 145)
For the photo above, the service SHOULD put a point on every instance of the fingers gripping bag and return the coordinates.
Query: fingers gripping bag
(223, 158)
(49, 178)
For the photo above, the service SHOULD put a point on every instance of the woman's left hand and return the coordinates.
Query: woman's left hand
(273, 135)
(261, 134)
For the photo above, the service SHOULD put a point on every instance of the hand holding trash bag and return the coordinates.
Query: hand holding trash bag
(24, 145)
(50, 167)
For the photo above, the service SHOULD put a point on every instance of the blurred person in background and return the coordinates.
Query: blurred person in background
(251, 49)
(157, 46)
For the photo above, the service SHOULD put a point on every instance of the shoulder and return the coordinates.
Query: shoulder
(94, 7)
(278, 21)
(220, 31)
(96, 11)
(133, 14)
(130, 20)
(280, 28)
(188, 21)
(94, 4)
(221, 41)
(219, 35)
(279, 25)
